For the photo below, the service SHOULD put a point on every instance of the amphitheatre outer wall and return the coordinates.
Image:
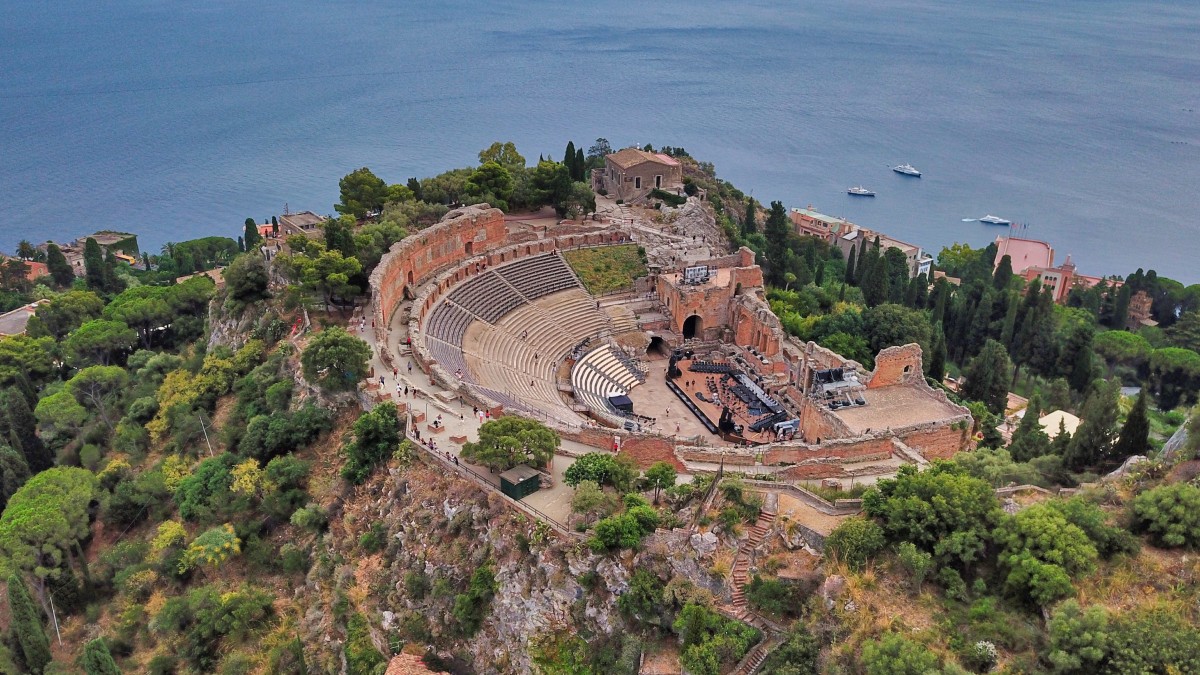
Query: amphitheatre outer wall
(429, 263)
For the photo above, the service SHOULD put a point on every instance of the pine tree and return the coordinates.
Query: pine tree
(749, 224)
(27, 626)
(1030, 440)
(93, 264)
(1135, 434)
(97, 660)
(58, 266)
(850, 278)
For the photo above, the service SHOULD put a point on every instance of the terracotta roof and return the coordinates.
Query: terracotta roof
(632, 157)
(1024, 253)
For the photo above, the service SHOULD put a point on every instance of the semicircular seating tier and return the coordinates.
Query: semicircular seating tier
(505, 331)
(601, 373)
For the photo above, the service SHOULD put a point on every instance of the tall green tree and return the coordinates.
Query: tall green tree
(339, 235)
(14, 471)
(896, 265)
(98, 388)
(777, 231)
(335, 359)
(569, 161)
(376, 436)
(509, 441)
(749, 221)
(93, 264)
(1030, 440)
(46, 519)
(64, 313)
(491, 183)
(504, 154)
(1134, 438)
(18, 428)
(97, 660)
(1003, 273)
(99, 342)
(875, 286)
(660, 476)
(361, 192)
(27, 626)
(247, 279)
(987, 377)
(252, 238)
(1092, 443)
(60, 269)
(937, 359)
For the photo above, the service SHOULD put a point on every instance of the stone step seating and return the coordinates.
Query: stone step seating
(538, 276)
(599, 374)
(571, 314)
(450, 357)
(487, 296)
(449, 322)
(622, 319)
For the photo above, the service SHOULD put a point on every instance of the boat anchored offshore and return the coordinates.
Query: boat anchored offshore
(989, 219)
(907, 170)
(860, 191)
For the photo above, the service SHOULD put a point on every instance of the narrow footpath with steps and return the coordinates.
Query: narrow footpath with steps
(739, 608)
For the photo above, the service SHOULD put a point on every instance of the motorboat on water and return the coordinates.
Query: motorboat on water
(907, 170)
(860, 191)
(989, 219)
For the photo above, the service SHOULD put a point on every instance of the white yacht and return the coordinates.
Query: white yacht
(907, 170)
(860, 191)
(989, 219)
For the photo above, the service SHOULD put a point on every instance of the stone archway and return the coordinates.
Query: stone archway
(692, 327)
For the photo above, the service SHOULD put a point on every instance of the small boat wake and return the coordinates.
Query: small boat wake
(970, 220)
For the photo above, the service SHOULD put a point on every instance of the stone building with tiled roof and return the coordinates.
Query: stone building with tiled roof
(631, 174)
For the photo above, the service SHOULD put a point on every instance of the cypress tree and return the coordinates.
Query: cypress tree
(1003, 273)
(1093, 440)
(241, 245)
(819, 276)
(987, 377)
(1030, 440)
(1010, 324)
(1120, 311)
(1062, 441)
(875, 288)
(749, 226)
(252, 235)
(93, 264)
(14, 471)
(18, 427)
(97, 660)
(1135, 434)
(850, 278)
(580, 164)
(569, 160)
(415, 186)
(59, 268)
(937, 360)
(922, 295)
(27, 625)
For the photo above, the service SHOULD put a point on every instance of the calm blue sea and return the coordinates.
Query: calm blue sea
(176, 120)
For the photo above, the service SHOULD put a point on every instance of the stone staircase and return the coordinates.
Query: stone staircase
(741, 563)
(752, 661)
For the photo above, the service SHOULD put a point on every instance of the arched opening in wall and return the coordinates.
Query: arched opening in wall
(657, 347)
(470, 248)
(692, 327)
(410, 278)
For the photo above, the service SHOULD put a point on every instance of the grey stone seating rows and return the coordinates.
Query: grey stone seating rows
(487, 296)
(538, 276)
(449, 322)
(598, 374)
(450, 357)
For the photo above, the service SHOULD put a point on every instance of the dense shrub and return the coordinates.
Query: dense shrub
(376, 435)
(270, 435)
(208, 620)
(471, 607)
(361, 655)
(1171, 514)
(624, 530)
(711, 642)
(854, 542)
(601, 468)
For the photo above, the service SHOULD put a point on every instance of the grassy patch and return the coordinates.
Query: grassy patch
(607, 269)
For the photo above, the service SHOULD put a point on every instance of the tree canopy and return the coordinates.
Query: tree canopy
(509, 441)
(335, 359)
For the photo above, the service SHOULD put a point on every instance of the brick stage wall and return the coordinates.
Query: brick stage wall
(891, 365)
